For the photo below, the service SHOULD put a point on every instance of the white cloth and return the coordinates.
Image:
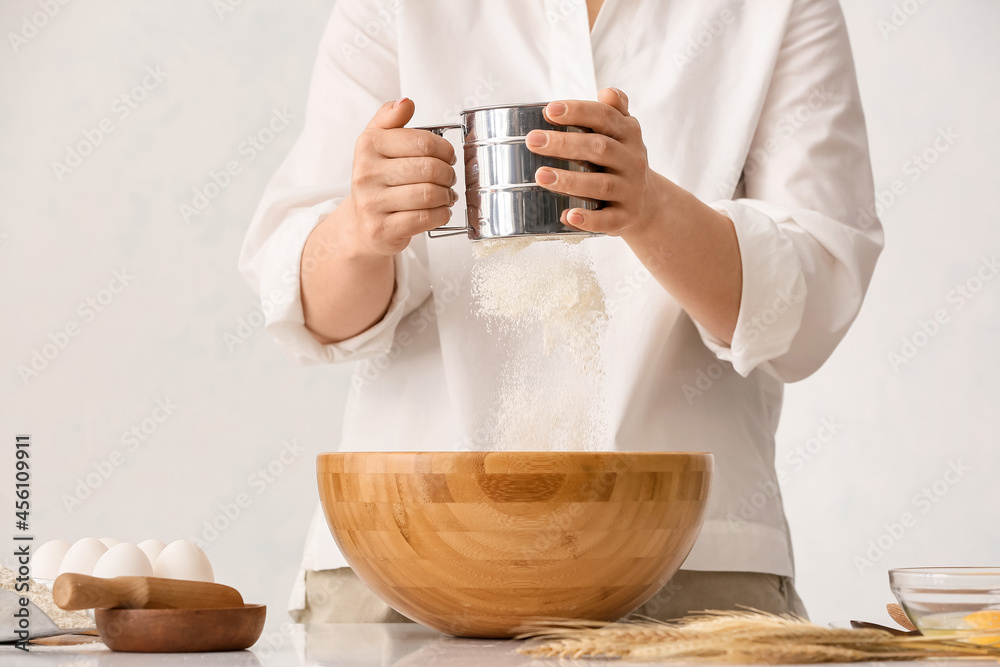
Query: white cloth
(753, 107)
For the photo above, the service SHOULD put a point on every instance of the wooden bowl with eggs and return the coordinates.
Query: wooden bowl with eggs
(476, 544)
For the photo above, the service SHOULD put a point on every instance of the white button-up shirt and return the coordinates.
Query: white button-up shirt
(752, 106)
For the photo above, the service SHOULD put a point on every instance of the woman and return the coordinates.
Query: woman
(739, 238)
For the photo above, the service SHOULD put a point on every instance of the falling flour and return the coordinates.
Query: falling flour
(551, 395)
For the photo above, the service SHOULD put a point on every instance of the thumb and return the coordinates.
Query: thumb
(393, 114)
(614, 97)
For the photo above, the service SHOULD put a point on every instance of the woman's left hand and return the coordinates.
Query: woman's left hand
(627, 185)
(656, 218)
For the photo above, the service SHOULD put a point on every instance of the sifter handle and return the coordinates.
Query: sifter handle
(447, 231)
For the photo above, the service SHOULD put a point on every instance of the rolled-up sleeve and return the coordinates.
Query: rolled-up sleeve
(355, 72)
(807, 230)
(280, 280)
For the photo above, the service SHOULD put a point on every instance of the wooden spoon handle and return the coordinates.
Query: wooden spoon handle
(898, 615)
(78, 591)
(864, 625)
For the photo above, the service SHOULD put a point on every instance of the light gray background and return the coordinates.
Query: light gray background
(164, 336)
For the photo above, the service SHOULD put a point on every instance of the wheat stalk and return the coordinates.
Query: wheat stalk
(739, 637)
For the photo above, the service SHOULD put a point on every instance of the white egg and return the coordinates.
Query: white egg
(82, 556)
(182, 559)
(152, 549)
(109, 541)
(47, 558)
(123, 560)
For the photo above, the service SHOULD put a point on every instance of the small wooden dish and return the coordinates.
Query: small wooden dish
(180, 630)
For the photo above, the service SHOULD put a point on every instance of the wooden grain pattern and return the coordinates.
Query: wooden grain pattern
(79, 591)
(180, 630)
(897, 614)
(476, 543)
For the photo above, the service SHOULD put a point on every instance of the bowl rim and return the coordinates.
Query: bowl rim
(949, 570)
(183, 611)
(511, 462)
(943, 579)
(519, 452)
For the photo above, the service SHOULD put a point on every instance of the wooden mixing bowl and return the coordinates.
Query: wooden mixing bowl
(475, 544)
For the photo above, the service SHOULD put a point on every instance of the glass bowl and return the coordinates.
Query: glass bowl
(945, 600)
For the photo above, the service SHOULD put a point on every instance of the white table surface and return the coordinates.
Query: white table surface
(344, 645)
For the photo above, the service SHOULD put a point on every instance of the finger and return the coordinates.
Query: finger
(410, 142)
(392, 114)
(589, 146)
(600, 186)
(415, 197)
(409, 170)
(411, 223)
(615, 98)
(601, 118)
(607, 220)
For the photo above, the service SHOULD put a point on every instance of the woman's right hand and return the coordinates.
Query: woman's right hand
(400, 186)
(401, 182)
